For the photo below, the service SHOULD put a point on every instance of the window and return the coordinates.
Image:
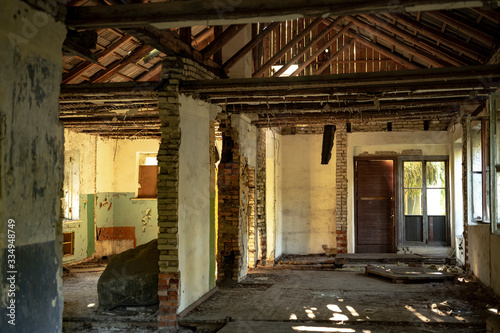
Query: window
(494, 107)
(147, 176)
(71, 185)
(478, 169)
(68, 243)
(424, 200)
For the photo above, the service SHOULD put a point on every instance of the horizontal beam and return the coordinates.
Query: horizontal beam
(483, 74)
(173, 14)
(103, 89)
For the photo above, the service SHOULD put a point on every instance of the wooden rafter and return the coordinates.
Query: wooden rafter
(201, 36)
(310, 45)
(222, 40)
(168, 42)
(440, 37)
(460, 24)
(82, 68)
(411, 50)
(333, 57)
(455, 60)
(287, 47)
(135, 56)
(322, 48)
(382, 50)
(249, 46)
(152, 74)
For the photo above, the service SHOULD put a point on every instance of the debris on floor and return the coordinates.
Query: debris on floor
(407, 274)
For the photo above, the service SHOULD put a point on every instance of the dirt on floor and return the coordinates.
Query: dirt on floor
(283, 300)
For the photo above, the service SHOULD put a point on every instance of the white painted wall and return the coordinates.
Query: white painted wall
(126, 162)
(308, 195)
(194, 199)
(273, 222)
(431, 143)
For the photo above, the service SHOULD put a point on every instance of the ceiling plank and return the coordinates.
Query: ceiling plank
(310, 46)
(440, 37)
(415, 40)
(82, 68)
(490, 14)
(322, 48)
(199, 12)
(287, 47)
(249, 46)
(153, 74)
(207, 32)
(222, 40)
(333, 57)
(382, 50)
(411, 50)
(460, 24)
(135, 56)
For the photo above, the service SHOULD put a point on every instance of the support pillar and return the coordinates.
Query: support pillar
(261, 193)
(168, 195)
(341, 177)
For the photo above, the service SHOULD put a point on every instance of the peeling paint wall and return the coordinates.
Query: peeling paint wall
(31, 168)
(109, 176)
(308, 195)
(483, 255)
(194, 199)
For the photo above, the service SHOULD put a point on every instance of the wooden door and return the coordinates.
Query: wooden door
(374, 196)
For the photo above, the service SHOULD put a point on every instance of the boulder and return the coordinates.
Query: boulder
(131, 278)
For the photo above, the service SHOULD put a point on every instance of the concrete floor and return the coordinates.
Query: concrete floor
(341, 301)
(299, 301)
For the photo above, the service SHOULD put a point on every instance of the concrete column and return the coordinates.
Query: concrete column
(31, 167)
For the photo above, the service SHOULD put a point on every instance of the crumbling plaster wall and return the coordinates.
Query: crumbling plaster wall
(109, 175)
(194, 199)
(31, 168)
(377, 143)
(308, 195)
(483, 255)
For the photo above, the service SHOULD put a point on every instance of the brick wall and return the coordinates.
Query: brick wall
(228, 181)
(261, 193)
(174, 69)
(341, 185)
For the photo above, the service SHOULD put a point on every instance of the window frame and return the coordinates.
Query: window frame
(425, 232)
(493, 102)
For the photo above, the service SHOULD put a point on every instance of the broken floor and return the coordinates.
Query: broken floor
(344, 300)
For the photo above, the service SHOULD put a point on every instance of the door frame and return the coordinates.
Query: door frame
(395, 189)
(400, 199)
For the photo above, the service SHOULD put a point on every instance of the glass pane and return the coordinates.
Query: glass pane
(436, 202)
(475, 136)
(477, 196)
(437, 228)
(413, 174)
(413, 229)
(435, 174)
(413, 202)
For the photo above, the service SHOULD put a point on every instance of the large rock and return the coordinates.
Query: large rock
(131, 278)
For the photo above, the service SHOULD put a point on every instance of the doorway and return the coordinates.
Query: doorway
(374, 205)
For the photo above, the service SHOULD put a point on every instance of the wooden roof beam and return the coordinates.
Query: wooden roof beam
(169, 43)
(413, 51)
(207, 32)
(333, 57)
(135, 56)
(460, 24)
(382, 50)
(222, 40)
(311, 45)
(287, 47)
(174, 14)
(323, 48)
(415, 40)
(440, 37)
(249, 46)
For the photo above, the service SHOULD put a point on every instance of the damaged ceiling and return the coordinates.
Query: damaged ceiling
(373, 66)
